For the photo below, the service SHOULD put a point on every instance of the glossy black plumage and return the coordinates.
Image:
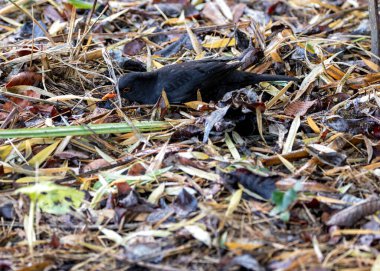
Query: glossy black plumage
(212, 77)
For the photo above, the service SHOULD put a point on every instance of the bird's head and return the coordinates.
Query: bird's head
(136, 86)
(128, 81)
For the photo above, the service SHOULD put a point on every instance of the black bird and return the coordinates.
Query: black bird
(212, 77)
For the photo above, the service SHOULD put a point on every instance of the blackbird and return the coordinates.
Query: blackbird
(212, 77)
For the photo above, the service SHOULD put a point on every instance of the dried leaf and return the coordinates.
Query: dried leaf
(133, 47)
(199, 234)
(220, 43)
(212, 12)
(349, 216)
(326, 154)
(24, 78)
(291, 135)
(234, 202)
(41, 157)
(194, 41)
(185, 203)
(298, 108)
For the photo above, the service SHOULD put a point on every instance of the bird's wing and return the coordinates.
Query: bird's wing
(181, 81)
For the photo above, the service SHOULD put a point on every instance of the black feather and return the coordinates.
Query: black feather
(213, 78)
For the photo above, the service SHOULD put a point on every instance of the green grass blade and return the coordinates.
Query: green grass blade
(88, 129)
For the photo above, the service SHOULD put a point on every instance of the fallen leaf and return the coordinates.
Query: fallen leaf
(349, 216)
(298, 108)
(24, 78)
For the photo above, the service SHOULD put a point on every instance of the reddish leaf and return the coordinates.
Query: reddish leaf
(67, 9)
(376, 131)
(298, 108)
(255, 105)
(277, 8)
(45, 109)
(136, 170)
(21, 103)
(24, 78)
(27, 51)
(123, 188)
(54, 242)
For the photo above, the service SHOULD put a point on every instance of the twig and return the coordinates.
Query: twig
(374, 22)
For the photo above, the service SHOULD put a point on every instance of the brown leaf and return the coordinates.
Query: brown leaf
(298, 108)
(162, 104)
(54, 241)
(347, 217)
(186, 132)
(26, 50)
(238, 11)
(96, 164)
(70, 154)
(123, 188)
(364, 81)
(36, 267)
(45, 109)
(133, 47)
(21, 103)
(24, 78)
(136, 170)
(211, 12)
(335, 72)
(51, 13)
(328, 102)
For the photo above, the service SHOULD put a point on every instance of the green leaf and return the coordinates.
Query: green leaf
(131, 180)
(283, 200)
(79, 4)
(285, 216)
(277, 197)
(290, 196)
(53, 198)
(310, 47)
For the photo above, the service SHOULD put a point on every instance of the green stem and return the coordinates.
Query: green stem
(80, 130)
